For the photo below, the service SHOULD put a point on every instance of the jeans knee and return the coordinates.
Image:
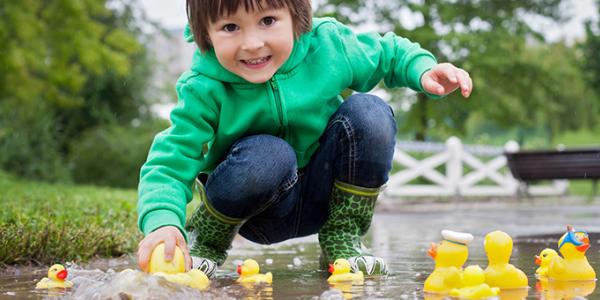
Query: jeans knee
(253, 171)
(371, 118)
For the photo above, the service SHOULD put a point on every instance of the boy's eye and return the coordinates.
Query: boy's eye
(230, 27)
(268, 21)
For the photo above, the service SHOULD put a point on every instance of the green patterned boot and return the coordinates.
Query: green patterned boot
(210, 234)
(350, 213)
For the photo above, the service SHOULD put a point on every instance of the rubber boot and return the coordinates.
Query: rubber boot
(350, 213)
(210, 234)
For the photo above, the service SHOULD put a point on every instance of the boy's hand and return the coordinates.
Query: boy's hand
(445, 78)
(171, 236)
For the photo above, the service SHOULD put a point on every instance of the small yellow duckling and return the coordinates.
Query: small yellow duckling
(498, 247)
(57, 275)
(174, 271)
(573, 265)
(340, 272)
(249, 273)
(449, 256)
(543, 261)
(474, 286)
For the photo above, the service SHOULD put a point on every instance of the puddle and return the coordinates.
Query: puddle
(401, 238)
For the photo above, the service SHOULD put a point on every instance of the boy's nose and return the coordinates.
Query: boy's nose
(252, 42)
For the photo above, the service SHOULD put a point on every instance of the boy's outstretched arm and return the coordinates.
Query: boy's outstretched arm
(444, 78)
(172, 237)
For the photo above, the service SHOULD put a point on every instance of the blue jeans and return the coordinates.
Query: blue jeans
(259, 179)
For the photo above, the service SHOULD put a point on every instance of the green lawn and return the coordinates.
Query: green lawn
(46, 223)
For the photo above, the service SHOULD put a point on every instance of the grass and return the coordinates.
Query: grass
(46, 223)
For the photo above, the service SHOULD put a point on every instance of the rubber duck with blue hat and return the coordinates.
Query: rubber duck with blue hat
(449, 257)
(573, 265)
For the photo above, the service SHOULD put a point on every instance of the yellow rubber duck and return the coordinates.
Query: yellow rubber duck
(543, 261)
(193, 278)
(449, 256)
(249, 273)
(474, 286)
(574, 264)
(341, 272)
(499, 273)
(174, 271)
(57, 279)
(158, 263)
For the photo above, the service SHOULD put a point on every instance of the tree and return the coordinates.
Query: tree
(490, 38)
(591, 48)
(65, 67)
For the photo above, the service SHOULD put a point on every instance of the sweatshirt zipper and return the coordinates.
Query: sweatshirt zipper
(275, 88)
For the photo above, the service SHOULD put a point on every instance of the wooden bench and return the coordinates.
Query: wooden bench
(578, 164)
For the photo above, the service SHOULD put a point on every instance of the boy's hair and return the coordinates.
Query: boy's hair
(201, 12)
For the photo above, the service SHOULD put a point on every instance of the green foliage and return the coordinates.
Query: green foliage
(520, 81)
(112, 155)
(45, 223)
(28, 145)
(65, 67)
(591, 48)
(580, 138)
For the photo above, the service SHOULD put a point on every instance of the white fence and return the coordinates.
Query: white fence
(469, 171)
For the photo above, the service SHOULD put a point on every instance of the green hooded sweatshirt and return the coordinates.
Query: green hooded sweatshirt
(217, 107)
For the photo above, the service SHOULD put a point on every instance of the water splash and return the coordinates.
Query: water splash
(129, 284)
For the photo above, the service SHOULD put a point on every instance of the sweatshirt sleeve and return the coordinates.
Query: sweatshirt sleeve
(174, 161)
(372, 57)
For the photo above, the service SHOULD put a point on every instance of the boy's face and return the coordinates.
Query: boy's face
(253, 45)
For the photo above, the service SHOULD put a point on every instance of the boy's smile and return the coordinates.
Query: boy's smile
(253, 44)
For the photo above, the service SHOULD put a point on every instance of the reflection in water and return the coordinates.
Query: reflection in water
(434, 296)
(514, 294)
(257, 291)
(348, 289)
(558, 290)
(400, 238)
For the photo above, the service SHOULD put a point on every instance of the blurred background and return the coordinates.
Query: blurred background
(85, 84)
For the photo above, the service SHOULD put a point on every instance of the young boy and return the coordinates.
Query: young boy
(260, 112)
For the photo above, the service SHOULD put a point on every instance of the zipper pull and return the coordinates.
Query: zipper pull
(273, 83)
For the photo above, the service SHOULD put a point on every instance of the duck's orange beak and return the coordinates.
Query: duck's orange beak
(538, 260)
(62, 275)
(239, 269)
(331, 268)
(432, 251)
(585, 246)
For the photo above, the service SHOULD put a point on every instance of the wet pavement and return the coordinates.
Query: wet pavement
(402, 238)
